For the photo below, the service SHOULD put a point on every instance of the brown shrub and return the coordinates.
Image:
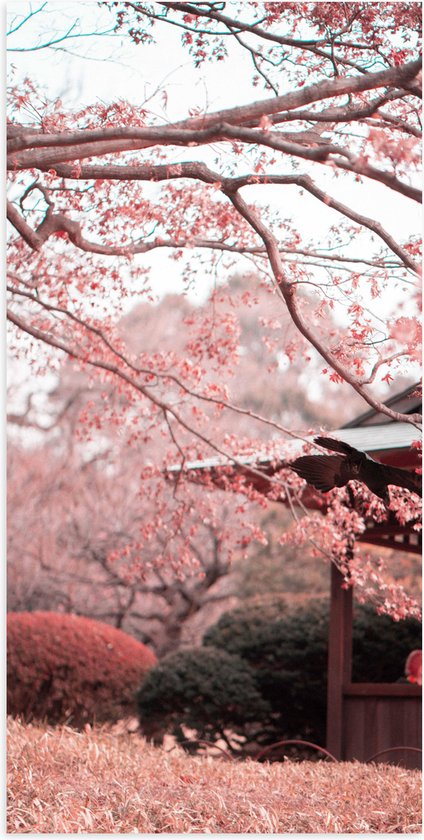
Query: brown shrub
(70, 668)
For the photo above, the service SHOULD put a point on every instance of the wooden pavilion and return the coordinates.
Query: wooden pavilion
(364, 720)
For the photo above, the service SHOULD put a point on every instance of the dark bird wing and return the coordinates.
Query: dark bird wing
(322, 471)
(327, 471)
(338, 446)
(402, 478)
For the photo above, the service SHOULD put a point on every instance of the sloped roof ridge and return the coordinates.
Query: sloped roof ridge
(391, 402)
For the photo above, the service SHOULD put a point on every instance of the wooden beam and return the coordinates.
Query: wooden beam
(408, 544)
(382, 690)
(339, 668)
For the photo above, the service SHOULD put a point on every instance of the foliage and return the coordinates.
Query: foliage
(81, 514)
(381, 646)
(291, 568)
(84, 510)
(70, 668)
(206, 690)
(287, 648)
(339, 114)
(273, 569)
(262, 674)
(96, 189)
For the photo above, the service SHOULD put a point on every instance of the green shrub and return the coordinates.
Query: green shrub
(287, 648)
(69, 668)
(381, 645)
(204, 689)
(262, 673)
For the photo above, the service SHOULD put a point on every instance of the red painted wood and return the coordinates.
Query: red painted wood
(382, 690)
(339, 659)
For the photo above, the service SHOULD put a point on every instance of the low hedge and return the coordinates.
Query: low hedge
(287, 650)
(67, 668)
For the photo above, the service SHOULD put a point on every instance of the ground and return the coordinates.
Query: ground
(109, 780)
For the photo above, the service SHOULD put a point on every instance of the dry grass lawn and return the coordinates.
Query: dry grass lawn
(102, 781)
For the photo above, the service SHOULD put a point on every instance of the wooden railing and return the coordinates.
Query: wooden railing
(365, 719)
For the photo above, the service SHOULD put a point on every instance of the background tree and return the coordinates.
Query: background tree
(84, 507)
(79, 517)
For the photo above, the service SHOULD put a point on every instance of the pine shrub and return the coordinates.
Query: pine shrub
(381, 645)
(261, 674)
(206, 690)
(66, 668)
(287, 649)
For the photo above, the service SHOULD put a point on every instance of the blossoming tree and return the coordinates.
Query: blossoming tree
(333, 114)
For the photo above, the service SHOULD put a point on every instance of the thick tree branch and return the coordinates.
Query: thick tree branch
(28, 234)
(307, 145)
(97, 142)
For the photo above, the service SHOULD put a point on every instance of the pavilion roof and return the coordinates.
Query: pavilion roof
(377, 440)
(389, 442)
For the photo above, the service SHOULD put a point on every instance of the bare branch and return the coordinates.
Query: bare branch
(54, 222)
(288, 291)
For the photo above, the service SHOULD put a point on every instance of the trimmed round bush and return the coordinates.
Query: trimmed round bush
(70, 668)
(204, 689)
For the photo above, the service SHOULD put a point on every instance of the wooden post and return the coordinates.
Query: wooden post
(339, 667)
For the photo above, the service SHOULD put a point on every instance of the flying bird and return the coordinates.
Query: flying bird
(327, 471)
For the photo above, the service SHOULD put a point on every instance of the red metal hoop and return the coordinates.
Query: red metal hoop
(294, 741)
